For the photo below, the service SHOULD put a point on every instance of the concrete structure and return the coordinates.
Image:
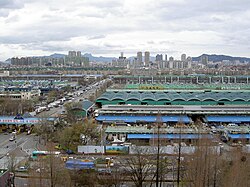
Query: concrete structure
(5, 74)
(76, 59)
(22, 95)
(162, 64)
(147, 58)
(36, 61)
(208, 81)
(159, 58)
(171, 58)
(72, 54)
(122, 61)
(183, 57)
(139, 58)
(53, 77)
(189, 58)
(78, 54)
(204, 59)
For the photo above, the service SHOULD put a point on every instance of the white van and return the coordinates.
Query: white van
(232, 125)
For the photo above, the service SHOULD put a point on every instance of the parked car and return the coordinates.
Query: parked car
(22, 169)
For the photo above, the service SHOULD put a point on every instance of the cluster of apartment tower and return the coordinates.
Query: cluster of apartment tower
(145, 61)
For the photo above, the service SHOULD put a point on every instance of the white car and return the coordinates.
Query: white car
(12, 139)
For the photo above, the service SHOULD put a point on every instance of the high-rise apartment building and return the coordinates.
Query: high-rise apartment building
(159, 58)
(139, 58)
(204, 59)
(147, 58)
(189, 62)
(183, 57)
(189, 58)
(78, 54)
(76, 59)
(171, 58)
(166, 57)
(121, 55)
(72, 54)
(122, 61)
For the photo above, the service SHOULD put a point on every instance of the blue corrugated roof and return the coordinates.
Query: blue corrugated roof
(239, 136)
(168, 136)
(150, 119)
(232, 119)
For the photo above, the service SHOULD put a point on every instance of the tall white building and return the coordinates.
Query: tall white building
(171, 64)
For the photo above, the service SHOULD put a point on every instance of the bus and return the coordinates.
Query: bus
(41, 154)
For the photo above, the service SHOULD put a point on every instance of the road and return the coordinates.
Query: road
(83, 93)
(21, 148)
(24, 144)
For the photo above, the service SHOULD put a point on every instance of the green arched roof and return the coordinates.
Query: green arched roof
(173, 96)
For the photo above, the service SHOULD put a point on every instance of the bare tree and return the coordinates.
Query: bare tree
(108, 179)
(139, 167)
(202, 166)
(235, 170)
(50, 170)
(12, 166)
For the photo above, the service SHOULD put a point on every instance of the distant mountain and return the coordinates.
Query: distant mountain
(8, 60)
(6, 63)
(57, 55)
(98, 59)
(217, 58)
(92, 58)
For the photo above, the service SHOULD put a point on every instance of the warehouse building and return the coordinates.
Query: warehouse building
(165, 97)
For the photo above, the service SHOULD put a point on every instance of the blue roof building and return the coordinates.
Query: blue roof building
(228, 119)
(146, 119)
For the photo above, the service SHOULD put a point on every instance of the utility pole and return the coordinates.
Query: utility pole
(158, 124)
(179, 155)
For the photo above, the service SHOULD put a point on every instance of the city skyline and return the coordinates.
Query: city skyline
(105, 28)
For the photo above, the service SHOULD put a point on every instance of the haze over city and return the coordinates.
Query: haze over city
(43, 27)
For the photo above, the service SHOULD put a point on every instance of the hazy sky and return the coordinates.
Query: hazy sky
(107, 27)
